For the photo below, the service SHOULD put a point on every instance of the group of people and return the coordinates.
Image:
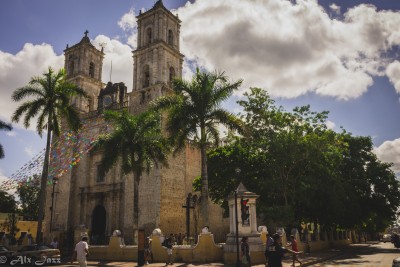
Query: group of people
(274, 251)
(177, 239)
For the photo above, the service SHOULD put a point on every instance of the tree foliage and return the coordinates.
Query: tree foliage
(194, 113)
(4, 126)
(48, 98)
(137, 142)
(7, 203)
(29, 199)
(304, 171)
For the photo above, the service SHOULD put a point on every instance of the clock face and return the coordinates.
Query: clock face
(107, 100)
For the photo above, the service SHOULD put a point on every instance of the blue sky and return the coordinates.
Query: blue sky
(341, 56)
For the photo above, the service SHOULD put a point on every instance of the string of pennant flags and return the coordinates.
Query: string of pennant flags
(65, 153)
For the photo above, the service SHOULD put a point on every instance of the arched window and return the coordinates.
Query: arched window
(91, 69)
(146, 76)
(71, 67)
(171, 74)
(170, 37)
(149, 35)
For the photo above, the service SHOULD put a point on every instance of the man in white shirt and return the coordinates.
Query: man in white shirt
(81, 251)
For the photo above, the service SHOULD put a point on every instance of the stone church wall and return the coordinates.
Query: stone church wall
(163, 191)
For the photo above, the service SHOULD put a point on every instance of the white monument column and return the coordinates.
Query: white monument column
(247, 226)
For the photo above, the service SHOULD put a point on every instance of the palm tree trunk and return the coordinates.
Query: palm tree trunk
(43, 183)
(204, 186)
(135, 201)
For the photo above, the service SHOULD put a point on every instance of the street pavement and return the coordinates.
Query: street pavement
(307, 259)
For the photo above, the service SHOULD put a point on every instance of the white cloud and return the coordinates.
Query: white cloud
(129, 25)
(11, 133)
(393, 72)
(330, 125)
(122, 62)
(288, 48)
(33, 60)
(389, 151)
(29, 151)
(128, 21)
(335, 8)
(16, 71)
(3, 179)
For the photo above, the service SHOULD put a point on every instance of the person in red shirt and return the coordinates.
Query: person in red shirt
(295, 249)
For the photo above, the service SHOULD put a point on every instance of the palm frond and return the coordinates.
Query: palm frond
(5, 126)
(26, 91)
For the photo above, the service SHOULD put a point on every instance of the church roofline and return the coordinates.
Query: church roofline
(84, 41)
(157, 5)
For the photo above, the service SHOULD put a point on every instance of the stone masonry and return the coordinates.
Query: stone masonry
(86, 198)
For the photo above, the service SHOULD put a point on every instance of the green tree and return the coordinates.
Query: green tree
(137, 142)
(4, 126)
(301, 170)
(48, 99)
(29, 198)
(370, 183)
(288, 146)
(194, 113)
(7, 203)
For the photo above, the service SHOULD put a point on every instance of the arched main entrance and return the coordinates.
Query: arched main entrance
(98, 233)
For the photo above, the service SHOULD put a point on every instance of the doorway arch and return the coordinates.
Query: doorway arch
(98, 233)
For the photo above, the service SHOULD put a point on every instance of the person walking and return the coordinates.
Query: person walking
(245, 252)
(270, 241)
(168, 245)
(276, 252)
(81, 252)
(293, 245)
(148, 254)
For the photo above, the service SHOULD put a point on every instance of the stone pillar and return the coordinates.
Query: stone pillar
(244, 230)
(253, 218)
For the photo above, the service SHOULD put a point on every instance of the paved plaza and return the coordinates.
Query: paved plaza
(307, 259)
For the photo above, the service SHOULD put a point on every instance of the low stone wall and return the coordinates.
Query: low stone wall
(204, 251)
(114, 251)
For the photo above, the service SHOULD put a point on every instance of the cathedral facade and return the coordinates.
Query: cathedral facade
(85, 197)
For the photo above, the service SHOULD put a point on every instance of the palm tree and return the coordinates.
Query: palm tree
(138, 142)
(5, 126)
(194, 112)
(48, 98)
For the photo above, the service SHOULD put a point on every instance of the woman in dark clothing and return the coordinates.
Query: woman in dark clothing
(245, 252)
(276, 252)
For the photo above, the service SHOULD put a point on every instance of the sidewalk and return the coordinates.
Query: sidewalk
(306, 259)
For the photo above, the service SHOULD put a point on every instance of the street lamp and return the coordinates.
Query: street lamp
(55, 180)
(238, 264)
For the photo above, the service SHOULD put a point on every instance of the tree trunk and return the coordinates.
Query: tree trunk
(135, 203)
(43, 184)
(204, 186)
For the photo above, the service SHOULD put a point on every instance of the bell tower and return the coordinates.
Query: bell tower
(157, 59)
(83, 65)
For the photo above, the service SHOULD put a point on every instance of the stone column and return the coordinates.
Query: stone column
(244, 230)
(253, 219)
